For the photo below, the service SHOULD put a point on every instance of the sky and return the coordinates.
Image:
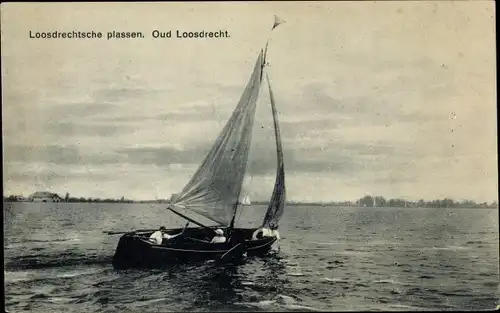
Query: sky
(395, 99)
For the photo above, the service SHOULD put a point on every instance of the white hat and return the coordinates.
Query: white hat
(219, 232)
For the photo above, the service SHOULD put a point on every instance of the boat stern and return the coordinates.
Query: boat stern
(131, 251)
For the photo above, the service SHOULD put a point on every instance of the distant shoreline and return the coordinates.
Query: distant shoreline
(313, 204)
(365, 201)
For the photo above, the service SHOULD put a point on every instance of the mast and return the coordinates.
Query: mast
(235, 205)
(277, 21)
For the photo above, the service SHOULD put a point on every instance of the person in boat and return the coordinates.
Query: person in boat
(219, 236)
(168, 236)
(158, 236)
(272, 231)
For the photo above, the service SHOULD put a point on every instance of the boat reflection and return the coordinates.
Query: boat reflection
(232, 285)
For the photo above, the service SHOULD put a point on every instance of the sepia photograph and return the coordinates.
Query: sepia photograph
(279, 156)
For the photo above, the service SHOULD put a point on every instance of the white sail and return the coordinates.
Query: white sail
(245, 200)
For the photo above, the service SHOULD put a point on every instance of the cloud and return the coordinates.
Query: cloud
(341, 158)
(79, 110)
(195, 112)
(163, 156)
(61, 155)
(120, 94)
(52, 175)
(78, 130)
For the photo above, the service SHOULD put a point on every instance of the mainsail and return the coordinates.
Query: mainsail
(215, 188)
(278, 199)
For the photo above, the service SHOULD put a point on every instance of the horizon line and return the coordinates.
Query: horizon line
(118, 199)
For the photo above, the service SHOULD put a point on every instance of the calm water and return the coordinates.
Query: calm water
(57, 259)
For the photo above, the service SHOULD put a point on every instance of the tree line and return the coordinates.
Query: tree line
(438, 203)
(366, 201)
(68, 198)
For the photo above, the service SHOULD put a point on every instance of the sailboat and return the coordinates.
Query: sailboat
(214, 192)
(246, 200)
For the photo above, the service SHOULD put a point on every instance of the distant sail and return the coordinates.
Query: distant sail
(246, 200)
(214, 189)
(278, 199)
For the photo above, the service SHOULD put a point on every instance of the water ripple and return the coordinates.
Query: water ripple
(356, 259)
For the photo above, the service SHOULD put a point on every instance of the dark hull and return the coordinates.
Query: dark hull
(134, 250)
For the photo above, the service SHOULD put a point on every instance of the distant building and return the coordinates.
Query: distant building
(44, 196)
